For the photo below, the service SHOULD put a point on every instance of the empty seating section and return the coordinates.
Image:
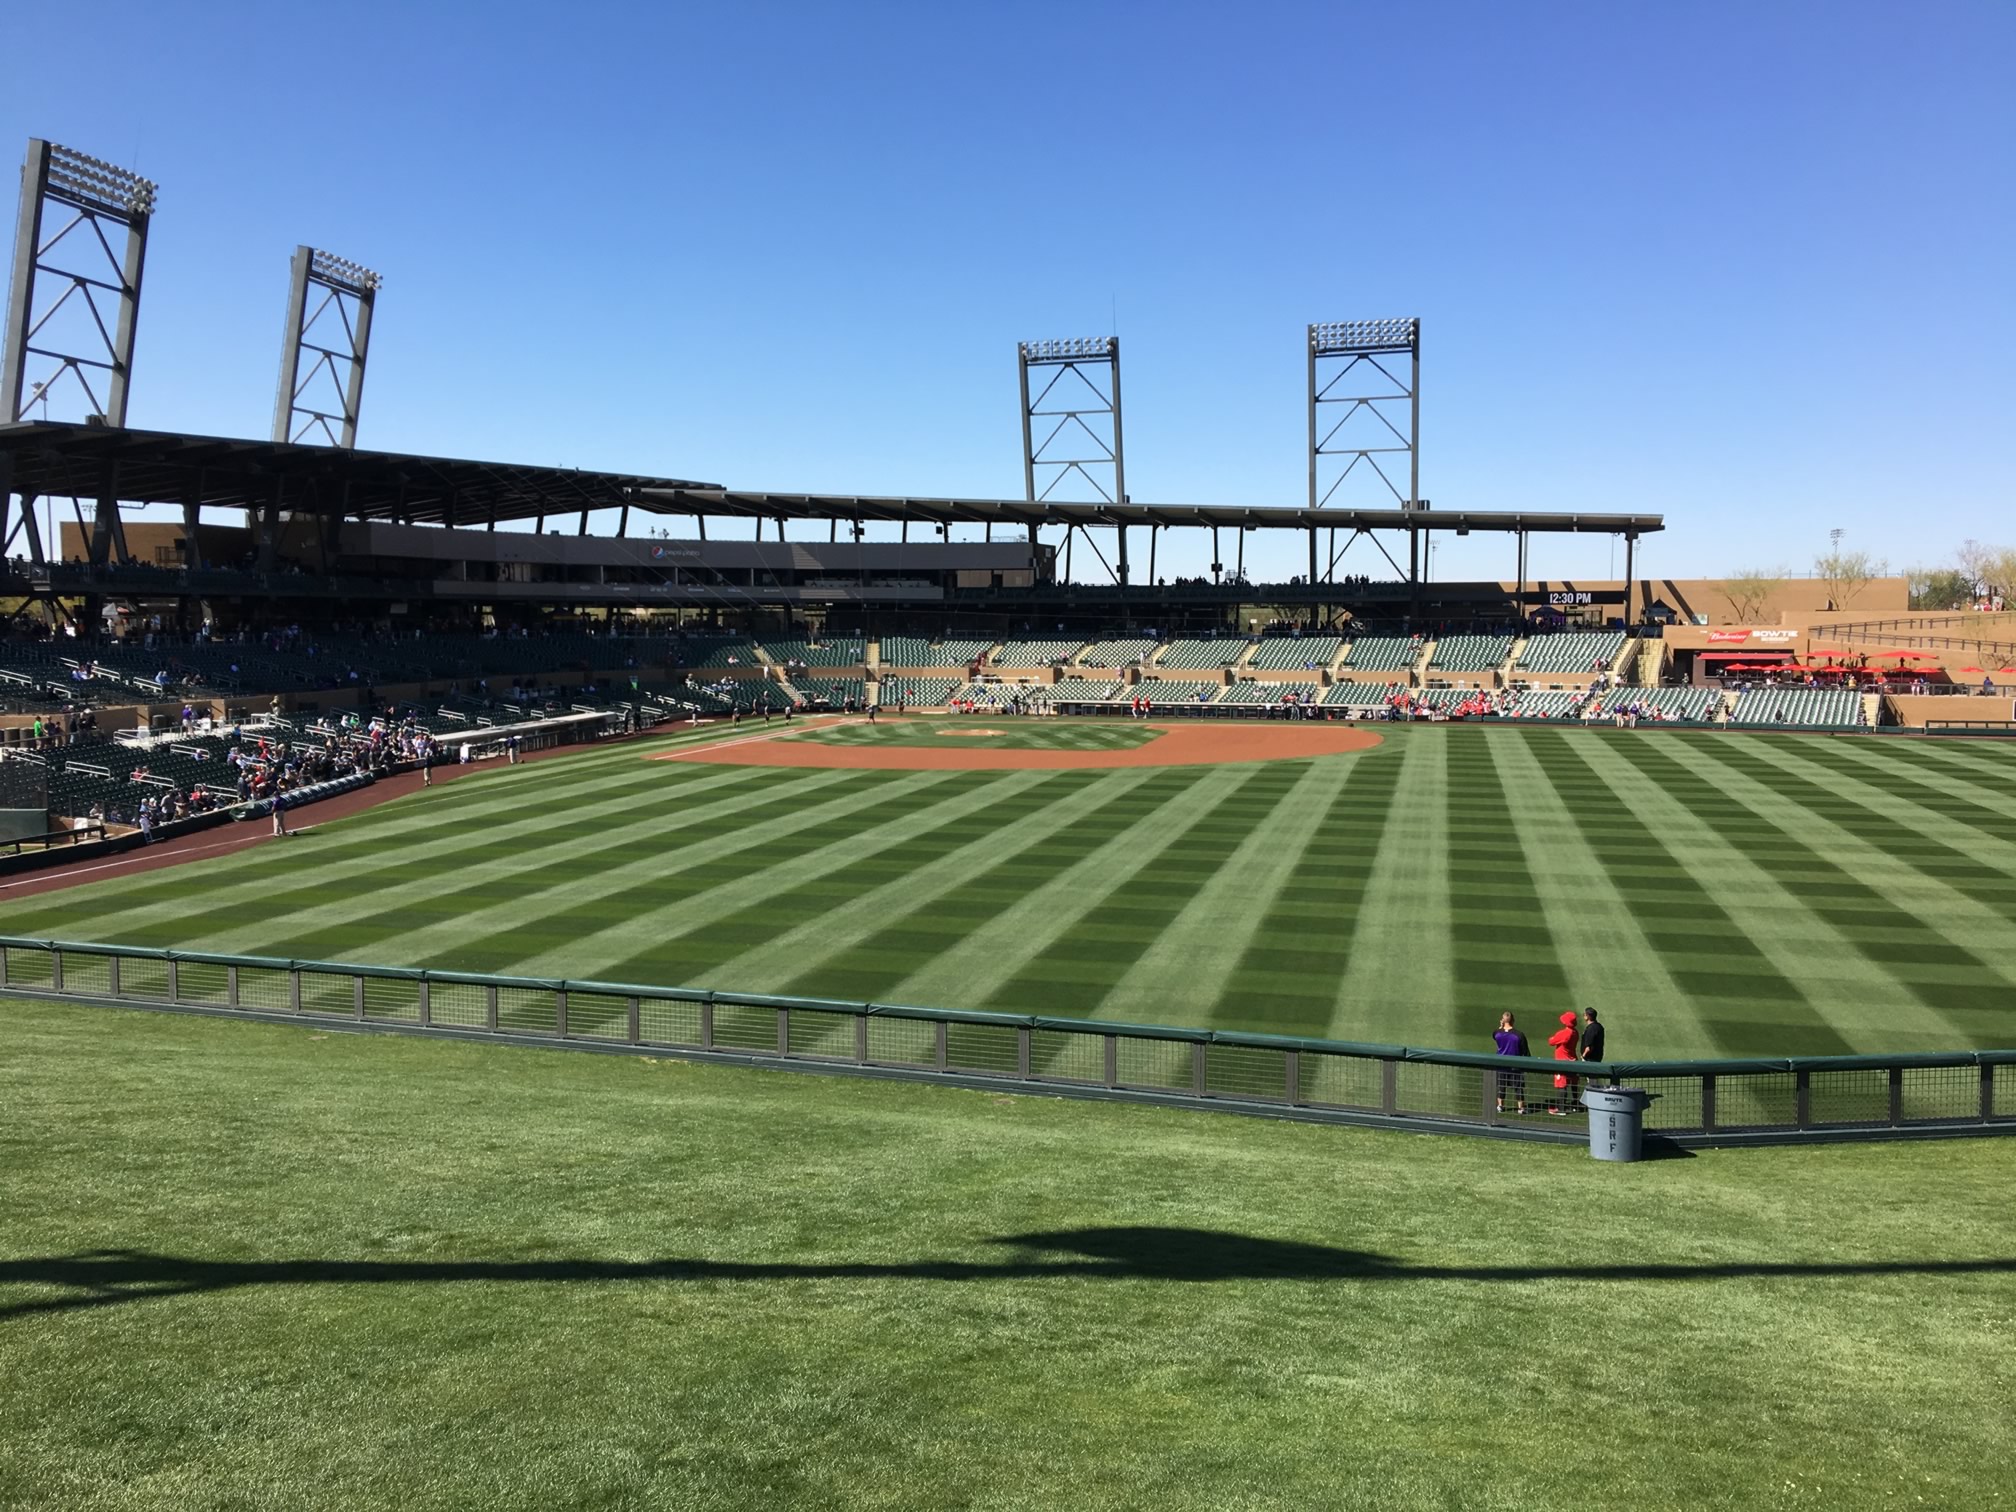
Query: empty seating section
(832, 690)
(718, 698)
(919, 692)
(713, 651)
(1383, 653)
(1797, 706)
(1201, 655)
(836, 651)
(914, 651)
(1572, 651)
(1036, 653)
(1116, 653)
(1674, 705)
(732, 693)
(1357, 695)
(1266, 693)
(1470, 653)
(1079, 690)
(1175, 690)
(1291, 653)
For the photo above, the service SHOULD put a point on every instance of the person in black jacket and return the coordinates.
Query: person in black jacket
(1592, 1036)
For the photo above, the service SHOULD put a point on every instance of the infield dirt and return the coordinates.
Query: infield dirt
(1211, 744)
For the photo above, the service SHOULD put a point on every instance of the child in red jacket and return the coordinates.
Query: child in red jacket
(1563, 1041)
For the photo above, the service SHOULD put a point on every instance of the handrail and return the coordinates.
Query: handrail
(1366, 1050)
(51, 839)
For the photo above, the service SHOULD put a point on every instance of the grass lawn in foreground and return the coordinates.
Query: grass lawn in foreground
(253, 1267)
(1713, 894)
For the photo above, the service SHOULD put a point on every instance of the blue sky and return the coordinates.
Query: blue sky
(1747, 265)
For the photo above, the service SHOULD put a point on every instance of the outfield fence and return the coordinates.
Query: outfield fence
(1697, 1102)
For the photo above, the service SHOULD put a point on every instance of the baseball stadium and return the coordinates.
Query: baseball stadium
(527, 986)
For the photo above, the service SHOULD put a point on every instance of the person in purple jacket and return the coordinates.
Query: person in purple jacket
(1510, 1042)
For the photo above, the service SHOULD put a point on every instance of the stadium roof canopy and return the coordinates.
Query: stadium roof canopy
(791, 506)
(163, 467)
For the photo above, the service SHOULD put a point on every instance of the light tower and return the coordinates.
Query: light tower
(73, 307)
(1352, 363)
(1369, 372)
(337, 331)
(1082, 394)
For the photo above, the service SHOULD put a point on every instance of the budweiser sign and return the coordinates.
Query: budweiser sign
(1726, 637)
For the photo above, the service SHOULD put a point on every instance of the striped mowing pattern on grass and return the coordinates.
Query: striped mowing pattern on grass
(1713, 893)
(1013, 732)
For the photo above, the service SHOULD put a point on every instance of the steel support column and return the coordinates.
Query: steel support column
(192, 522)
(1630, 545)
(108, 531)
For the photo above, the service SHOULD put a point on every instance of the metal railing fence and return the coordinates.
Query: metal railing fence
(1700, 1101)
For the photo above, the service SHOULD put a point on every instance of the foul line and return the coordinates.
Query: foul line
(143, 854)
(760, 735)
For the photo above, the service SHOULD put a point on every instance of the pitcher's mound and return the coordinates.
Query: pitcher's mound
(1202, 744)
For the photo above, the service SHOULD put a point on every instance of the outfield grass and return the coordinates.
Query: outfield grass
(1712, 893)
(252, 1267)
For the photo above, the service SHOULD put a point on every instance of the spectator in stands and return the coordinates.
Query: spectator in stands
(1563, 1041)
(1510, 1041)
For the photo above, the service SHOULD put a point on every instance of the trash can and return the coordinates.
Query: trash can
(1616, 1121)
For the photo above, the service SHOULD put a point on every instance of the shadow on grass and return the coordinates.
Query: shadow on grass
(100, 1278)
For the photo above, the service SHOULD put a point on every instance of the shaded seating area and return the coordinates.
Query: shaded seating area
(1116, 653)
(1202, 655)
(837, 692)
(836, 651)
(915, 651)
(1036, 653)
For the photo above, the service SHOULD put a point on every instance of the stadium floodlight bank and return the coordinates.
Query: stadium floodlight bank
(1752, 1100)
